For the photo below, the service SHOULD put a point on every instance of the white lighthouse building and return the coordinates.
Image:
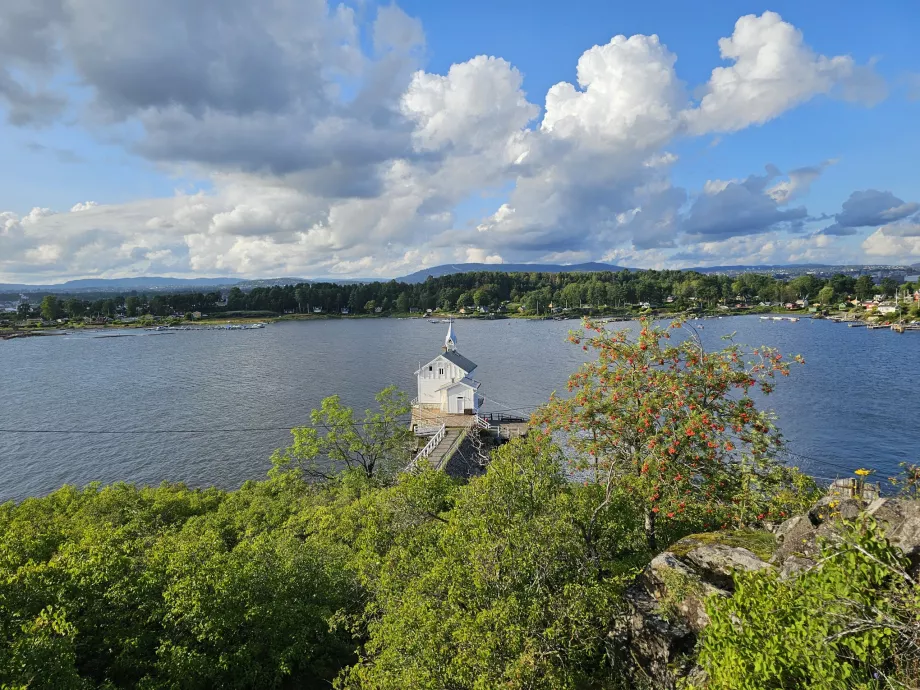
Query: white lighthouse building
(447, 393)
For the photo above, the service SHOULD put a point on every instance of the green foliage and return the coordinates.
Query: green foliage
(168, 587)
(849, 623)
(675, 427)
(612, 291)
(515, 587)
(374, 578)
(50, 308)
(378, 446)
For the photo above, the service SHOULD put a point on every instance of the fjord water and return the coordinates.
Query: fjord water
(853, 404)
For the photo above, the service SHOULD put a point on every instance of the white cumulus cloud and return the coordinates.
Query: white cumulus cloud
(327, 154)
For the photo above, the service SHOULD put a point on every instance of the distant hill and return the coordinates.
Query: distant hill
(451, 269)
(122, 284)
(159, 283)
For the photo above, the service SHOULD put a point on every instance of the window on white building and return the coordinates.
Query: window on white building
(441, 372)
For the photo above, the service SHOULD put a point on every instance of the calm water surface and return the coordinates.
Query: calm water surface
(853, 404)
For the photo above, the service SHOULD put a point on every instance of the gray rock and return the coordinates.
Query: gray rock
(649, 644)
(794, 565)
(796, 536)
(717, 562)
(679, 589)
(793, 528)
(901, 519)
(834, 508)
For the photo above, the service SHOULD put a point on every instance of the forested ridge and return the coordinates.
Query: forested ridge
(486, 288)
(341, 570)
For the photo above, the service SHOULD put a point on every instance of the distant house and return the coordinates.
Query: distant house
(345, 310)
(463, 310)
(317, 310)
(790, 305)
(887, 309)
(483, 309)
(414, 310)
(669, 299)
(196, 314)
(378, 310)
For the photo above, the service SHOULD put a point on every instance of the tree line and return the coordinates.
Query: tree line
(532, 291)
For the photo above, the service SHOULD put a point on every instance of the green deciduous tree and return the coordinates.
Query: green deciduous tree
(671, 423)
(377, 446)
(170, 587)
(504, 591)
(865, 287)
(50, 308)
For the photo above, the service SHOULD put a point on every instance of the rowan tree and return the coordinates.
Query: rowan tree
(673, 425)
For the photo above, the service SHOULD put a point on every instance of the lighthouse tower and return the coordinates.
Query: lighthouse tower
(447, 393)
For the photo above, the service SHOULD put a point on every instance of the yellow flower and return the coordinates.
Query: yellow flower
(863, 472)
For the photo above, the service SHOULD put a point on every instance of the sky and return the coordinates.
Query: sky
(302, 138)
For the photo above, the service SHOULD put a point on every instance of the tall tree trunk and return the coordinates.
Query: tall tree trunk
(650, 538)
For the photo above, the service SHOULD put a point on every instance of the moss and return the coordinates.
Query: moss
(758, 542)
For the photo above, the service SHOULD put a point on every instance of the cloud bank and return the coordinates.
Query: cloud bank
(328, 150)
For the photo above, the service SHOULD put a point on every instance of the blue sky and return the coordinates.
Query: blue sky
(221, 142)
(877, 146)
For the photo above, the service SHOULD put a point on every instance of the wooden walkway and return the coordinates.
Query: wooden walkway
(443, 452)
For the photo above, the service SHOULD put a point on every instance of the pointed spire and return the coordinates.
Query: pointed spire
(450, 342)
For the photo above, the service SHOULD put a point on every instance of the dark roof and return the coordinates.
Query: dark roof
(455, 357)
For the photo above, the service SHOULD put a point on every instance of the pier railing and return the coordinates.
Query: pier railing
(496, 418)
(429, 447)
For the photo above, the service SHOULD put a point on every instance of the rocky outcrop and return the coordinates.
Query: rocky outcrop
(667, 602)
(656, 638)
(902, 525)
